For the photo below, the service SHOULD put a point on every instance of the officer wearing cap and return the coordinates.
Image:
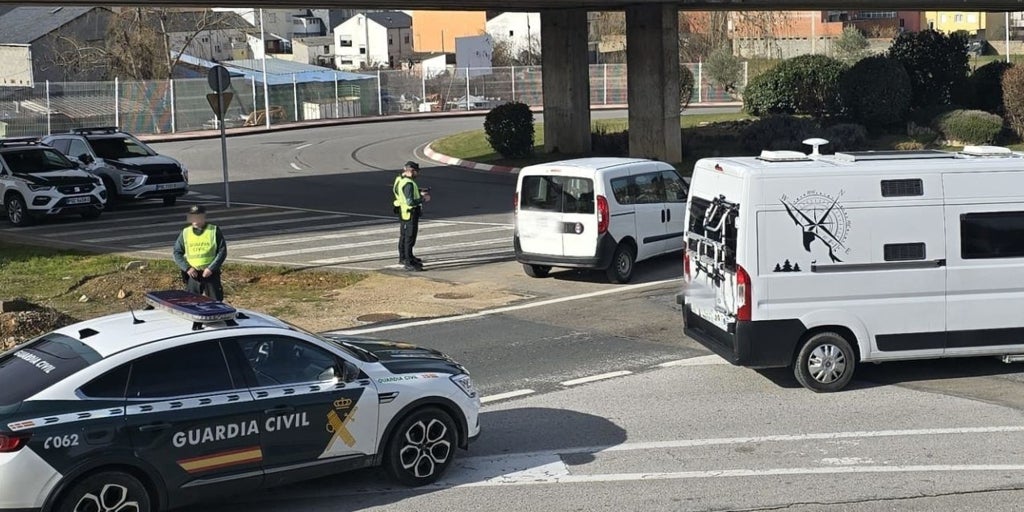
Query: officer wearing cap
(200, 252)
(409, 199)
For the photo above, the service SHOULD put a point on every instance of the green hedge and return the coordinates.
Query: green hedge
(808, 84)
(969, 126)
(509, 130)
(876, 92)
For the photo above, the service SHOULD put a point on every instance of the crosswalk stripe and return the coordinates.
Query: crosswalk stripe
(250, 234)
(219, 224)
(295, 252)
(424, 251)
(180, 223)
(120, 218)
(392, 228)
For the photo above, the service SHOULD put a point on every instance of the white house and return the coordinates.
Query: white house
(390, 40)
(474, 52)
(318, 51)
(287, 23)
(520, 29)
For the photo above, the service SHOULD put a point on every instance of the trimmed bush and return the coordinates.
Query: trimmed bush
(1013, 98)
(608, 143)
(927, 116)
(969, 126)
(686, 86)
(846, 137)
(509, 130)
(988, 86)
(724, 69)
(808, 84)
(779, 132)
(936, 63)
(876, 92)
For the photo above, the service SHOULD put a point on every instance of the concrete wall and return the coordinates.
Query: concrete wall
(16, 61)
(789, 48)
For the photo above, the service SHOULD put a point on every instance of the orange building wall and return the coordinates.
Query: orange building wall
(428, 27)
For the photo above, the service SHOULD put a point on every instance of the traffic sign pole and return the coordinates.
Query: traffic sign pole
(219, 80)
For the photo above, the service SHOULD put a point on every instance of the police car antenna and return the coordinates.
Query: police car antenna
(135, 319)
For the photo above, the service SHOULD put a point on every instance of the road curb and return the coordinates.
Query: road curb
(466, 164)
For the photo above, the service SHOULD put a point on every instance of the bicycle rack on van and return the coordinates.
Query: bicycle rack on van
(715, 256)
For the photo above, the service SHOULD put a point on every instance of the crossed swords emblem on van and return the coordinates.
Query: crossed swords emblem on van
(339, 418)
(821, 227)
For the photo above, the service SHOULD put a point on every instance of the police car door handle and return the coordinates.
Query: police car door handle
(280, 410)
(154, 427)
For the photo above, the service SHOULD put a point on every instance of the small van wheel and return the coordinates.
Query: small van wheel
(108, 491)
(825, 363)
(536, 270)
(621, 269)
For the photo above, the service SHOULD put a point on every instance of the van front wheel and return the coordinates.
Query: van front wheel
(621, 269)
(825, 363)
(536, 270)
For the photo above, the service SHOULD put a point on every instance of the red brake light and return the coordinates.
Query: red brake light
(11, 443)
(743, 288)
(603, 215)
(686, 265)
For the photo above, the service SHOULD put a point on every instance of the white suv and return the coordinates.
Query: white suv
(37, 180)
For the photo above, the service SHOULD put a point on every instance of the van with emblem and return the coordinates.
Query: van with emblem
(597, 213)
(822, 262)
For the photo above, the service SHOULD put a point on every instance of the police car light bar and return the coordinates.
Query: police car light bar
(190, 306)
(19, 141)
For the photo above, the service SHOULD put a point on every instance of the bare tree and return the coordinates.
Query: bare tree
(507, 53)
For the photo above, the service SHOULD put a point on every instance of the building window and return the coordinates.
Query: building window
(959, 18)
(391, 41)
(327, 49)
(362, 51)
(346, 62)
(346, 43)
(511, 33)
(407, 39)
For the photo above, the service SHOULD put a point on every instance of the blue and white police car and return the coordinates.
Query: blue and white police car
(190, 399)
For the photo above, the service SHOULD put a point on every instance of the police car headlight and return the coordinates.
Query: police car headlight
(465, 384)
(40, 188)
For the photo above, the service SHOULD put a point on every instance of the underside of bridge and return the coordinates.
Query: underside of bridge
(652, 52)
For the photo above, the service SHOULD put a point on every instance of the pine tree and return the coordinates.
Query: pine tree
(796, 268)
(778, 268)
(787, 266)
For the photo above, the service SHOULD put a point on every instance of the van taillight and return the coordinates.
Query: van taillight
(515, 202)
(11, 443)
(603, 215)
(686, 265)
(743, 289)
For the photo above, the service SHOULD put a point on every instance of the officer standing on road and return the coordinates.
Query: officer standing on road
(409, 200)
(200, 252)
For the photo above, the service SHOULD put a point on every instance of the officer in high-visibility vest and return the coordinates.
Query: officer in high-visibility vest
(200, 252)
(408, 202)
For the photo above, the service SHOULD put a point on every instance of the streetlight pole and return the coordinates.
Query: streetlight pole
(266, 88)
(1007, 36)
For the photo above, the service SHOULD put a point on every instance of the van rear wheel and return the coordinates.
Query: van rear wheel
(825, 363)
(536, 270)
(621, 269)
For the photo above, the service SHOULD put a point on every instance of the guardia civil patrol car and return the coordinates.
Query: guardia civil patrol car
(190, 399)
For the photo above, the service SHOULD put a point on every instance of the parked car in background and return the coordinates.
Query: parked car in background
(37, 181)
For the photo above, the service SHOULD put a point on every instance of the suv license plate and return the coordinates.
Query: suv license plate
(167, 186)
(79, 200)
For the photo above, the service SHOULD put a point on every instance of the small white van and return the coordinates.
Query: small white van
(822, 262)
(599, 213)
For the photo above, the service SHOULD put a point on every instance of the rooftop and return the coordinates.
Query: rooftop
(391, 19)
(24, 25)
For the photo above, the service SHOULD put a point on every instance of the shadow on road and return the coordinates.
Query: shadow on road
(510, 442)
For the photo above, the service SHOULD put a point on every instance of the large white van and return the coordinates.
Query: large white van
(823, 262)
(600, 213)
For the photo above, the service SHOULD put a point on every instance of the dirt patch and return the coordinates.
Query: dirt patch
(24, 325)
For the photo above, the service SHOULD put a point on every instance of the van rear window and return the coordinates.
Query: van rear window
(562, 194)
(38, 365)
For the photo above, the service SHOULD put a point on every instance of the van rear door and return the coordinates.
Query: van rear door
(539, 215)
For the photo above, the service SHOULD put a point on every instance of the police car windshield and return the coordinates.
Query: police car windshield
(357, 352)
(29, 369)
(116, 148)
(36, 160)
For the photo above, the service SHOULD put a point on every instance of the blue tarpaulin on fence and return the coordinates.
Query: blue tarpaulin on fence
(279, 71)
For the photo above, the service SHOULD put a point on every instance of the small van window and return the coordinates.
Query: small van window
(650, 189)
(563, 194)
(623, 190)
(992, 235)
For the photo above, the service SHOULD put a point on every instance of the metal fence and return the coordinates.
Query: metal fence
(180, 105)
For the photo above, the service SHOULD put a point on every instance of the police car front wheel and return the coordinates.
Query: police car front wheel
(422, 447)
(109, 491)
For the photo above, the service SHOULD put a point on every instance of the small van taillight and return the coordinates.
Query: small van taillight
(515, 202)
(686, 265)
(603, 215)
(12, 443)
(743, 289)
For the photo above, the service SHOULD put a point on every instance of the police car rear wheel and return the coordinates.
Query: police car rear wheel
(109, 491)
(422, 447)
(825, 363)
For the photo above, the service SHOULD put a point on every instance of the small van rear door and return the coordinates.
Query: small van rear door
(579, 216)
(539, 214)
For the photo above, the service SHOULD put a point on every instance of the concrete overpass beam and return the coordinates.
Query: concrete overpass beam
(652, 55)
(566, 81)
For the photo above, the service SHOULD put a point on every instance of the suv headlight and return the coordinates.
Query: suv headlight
(465, 384)
(184, 172)
(130, 181)
(40, 188)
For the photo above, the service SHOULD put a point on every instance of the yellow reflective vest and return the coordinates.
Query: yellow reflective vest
(400, 200)
(201, 249)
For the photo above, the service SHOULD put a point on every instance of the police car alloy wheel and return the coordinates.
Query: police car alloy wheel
(17, 213)
(422, 447)
(825, 363)
(110, 491)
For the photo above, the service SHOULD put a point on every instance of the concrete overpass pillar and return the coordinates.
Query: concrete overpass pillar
(566, 72)
(652, 55)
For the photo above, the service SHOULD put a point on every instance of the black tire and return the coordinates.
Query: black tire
(621, 269)
(112, 198)
(422, 447)
(17, 211)
(170, 200)
(108, 491)
(825, 363)
(536, 270)
(92, 213)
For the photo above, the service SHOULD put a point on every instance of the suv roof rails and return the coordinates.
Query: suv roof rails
(20, 141)
(95, 130)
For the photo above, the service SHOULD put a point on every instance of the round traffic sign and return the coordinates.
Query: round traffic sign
(219, 78)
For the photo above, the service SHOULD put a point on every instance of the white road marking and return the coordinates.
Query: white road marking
(422, 252)
(393, 229)
(509, 309)
(326, 248)
(233, 227)
(371, 216)
(220, 221)
(595, 378)
(506, 396)
(694, 361)
(296, 166)
(304, 146)
(120, 214)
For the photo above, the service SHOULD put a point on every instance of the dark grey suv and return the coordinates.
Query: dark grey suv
(129, 168)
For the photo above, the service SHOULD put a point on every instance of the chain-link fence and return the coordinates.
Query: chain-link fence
(181, 105)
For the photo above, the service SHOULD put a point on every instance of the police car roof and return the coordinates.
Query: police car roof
(111, 334)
